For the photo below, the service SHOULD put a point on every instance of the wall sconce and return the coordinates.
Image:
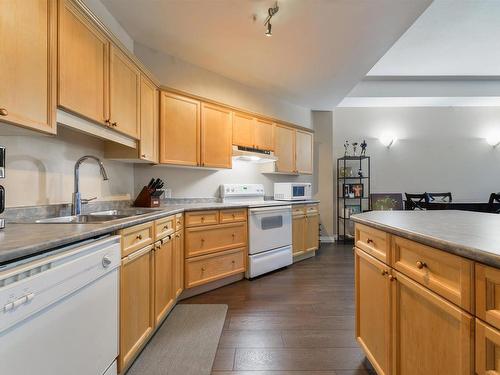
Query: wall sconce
(493, 140)
(388, 140)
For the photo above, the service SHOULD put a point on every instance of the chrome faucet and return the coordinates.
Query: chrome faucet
(76, 209)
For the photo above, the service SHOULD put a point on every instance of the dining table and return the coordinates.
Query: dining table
(464, 205)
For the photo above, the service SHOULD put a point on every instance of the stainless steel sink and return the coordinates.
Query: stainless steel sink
(96, 217)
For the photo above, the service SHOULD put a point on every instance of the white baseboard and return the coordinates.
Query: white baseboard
(328, 239)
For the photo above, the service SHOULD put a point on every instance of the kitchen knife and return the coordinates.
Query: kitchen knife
(151, 183)
(155, 184)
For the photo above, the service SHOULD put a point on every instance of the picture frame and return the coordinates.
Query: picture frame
(386, 201)
(353, 190)
(345, 172)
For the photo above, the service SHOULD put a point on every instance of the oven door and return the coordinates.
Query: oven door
(269, 228)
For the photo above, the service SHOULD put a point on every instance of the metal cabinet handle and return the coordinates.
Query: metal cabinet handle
(421, 265)
(369, 240)
(143, 155)
(203, 269)
(138, 237)
(114, 124)
(106, 261)
(392, 278)
(3, 112)
(383, 272)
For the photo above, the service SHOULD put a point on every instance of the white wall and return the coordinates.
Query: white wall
(439, 149)
(178, 74)
(40, 170)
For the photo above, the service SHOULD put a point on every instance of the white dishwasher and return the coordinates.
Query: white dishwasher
(59, 313)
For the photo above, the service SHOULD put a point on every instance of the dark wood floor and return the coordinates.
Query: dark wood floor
(295, 321)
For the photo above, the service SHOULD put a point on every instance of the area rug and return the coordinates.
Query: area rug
(185, 344)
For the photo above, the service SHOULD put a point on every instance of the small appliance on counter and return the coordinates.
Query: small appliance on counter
(150, 195)
(2, 189)
(292, 191)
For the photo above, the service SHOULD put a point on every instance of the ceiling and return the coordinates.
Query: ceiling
(318, 52)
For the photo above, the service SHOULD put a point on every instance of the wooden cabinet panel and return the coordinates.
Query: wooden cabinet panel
(487, 349)
(284, 149)
(28, 63)
(431, 335)
(164, 278)
(232, 216)
(199, 218)
(136, 237)
(125, 83)
(243, 130)
(216, 136)
(446, 274)
(208, 268)
(179, 130)
(178, 261)
(373, 241)
(83, 65)
(373, 311)
(298, 234)
(137, 319)
(488, 294)
(164, 227)
(264, 135)
(214, 238)
(304, 152)
(148, 144)
(179, 222)
(311, 232)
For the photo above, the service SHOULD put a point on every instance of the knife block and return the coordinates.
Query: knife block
(145, 199)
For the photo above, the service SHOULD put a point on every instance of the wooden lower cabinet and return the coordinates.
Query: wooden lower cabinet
(487, 349)
(164, 288)
(305, 229)
(137, 316)
(430, 335)
(178, 264)
(373, 295)
(311, 234)
(298, 226)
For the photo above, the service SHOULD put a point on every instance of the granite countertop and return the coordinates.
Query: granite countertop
(474, 235)
(28, 239)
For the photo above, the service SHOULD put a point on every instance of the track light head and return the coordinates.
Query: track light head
(269, 29)
(271, 12)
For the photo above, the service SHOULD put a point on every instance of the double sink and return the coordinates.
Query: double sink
(96, 217)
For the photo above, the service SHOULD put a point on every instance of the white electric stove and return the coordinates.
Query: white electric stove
(269, 228)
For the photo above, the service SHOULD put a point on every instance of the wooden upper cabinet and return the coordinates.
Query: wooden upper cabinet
(28, 63)
(179, 130)
(243, 130)
(83, 85)
(373, 311)
(148, 145)
(125, 81)
(284, 149)
(431, 335)
(216, 136)
(264, 135)
(304, 152)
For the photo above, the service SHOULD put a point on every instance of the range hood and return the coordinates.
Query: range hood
(253, 155)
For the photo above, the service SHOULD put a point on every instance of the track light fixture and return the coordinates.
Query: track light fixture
(271, 12)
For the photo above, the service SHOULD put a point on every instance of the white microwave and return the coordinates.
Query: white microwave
(292, 191)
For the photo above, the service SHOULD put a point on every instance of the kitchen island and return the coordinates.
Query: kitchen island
(428, 291)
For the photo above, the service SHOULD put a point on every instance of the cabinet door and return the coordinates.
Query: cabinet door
(216, 136)
(178, 264)
(148, 145)
(284, 149)
(164, 291)
(179, 130)
(136, 303)
(311, 232)
(487, 349)
(124, 99)
(304, 152)
(431, 335)
(298, 232)
(27, 63)
(83, 65)
(264, 135)
(488, 294)
(243, 130)
(373, 298)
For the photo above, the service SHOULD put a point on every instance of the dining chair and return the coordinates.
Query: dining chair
(440, 197)
(494, 199)
(414, 201)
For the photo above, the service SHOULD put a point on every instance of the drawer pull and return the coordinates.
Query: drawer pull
(202, 219)
(3, 112)
(421, 265)
(203, 269)
(165, 227)
(392, 278)
(383, 272)
(369, 240)
(233, 261)
(139, 237)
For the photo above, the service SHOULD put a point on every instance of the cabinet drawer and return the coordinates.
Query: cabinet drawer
(373, 241)
(136, 237)
(298, 210)
(487, 349)
(488, 294)
(312, 209)
(205, 240)
(164, 227)
(207, 268)
(198, 218)
(446, 274)
(231, 216)
(179, 222)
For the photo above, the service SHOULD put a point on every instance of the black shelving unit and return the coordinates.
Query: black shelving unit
(344, 223)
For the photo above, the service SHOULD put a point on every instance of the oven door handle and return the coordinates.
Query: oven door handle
(283, 209)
